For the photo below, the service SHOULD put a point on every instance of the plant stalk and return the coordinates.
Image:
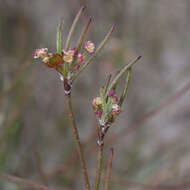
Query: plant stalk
(108, 173)
(78, 143)
(99, 167)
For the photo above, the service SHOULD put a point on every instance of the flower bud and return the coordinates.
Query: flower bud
(115, 99)
(80, 58)
(116, 109)
(111, 93)
(89, 46)
(98, 113)
(40, 53)
(68, 55)
(97, 102)
(77, 66)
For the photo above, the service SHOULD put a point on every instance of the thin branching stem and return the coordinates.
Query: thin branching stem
(73, 27)
(78, 143)
(99, 167)
(109, 169)
(24, 182)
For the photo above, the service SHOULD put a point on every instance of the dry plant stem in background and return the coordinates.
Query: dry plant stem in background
(78, 143)
(24, 182)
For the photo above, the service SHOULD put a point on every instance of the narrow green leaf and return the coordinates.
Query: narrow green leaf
(73, 27)
(59, 28)
(122, 72)
(81, 39)
(83, 33)
(125, 90)
(96, 52)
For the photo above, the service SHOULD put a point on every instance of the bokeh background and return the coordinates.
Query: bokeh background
(151, 137)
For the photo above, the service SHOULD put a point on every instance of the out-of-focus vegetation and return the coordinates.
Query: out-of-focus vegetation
(151, 150)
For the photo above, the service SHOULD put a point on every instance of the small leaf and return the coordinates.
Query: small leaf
(73, 27)
(125, 90)
(59, 28)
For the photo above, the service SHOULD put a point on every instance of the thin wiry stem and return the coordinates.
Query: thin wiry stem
(95, 53)
(109, 169)
(122, 72)
(70, 35)
(78, 143)
(99, 167)
(128, 79)
(24, 182)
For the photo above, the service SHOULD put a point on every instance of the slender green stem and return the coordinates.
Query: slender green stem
(58, 44)
(99, 167)
(122, 72)
(109, 169)
(128, 79)
(78, 143)
(70, 35)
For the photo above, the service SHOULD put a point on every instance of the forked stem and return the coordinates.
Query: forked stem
(78, 143)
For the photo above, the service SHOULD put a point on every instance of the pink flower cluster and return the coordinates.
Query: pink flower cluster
(55, 60)
(106, 109)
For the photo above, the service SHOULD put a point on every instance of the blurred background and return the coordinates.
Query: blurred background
(150, 138)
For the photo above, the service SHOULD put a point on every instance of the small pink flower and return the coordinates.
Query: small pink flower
(68, 55)
(97, 102)
(111, 93)
(98, 113)
(80, 58)
(77, 66)
(89, 46)
(116, 109)
(71, 52)
(115, 99)
(40, 53)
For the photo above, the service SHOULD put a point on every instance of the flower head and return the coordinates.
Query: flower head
(68, 55)
(97, 102)
(116, 109)
(89, 46)
(40, 53)
(80, 58)
(111, 93)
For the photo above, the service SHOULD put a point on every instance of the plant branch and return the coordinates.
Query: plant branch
(99, 167)
(78, 143)
(108, 172)
(24, 182)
